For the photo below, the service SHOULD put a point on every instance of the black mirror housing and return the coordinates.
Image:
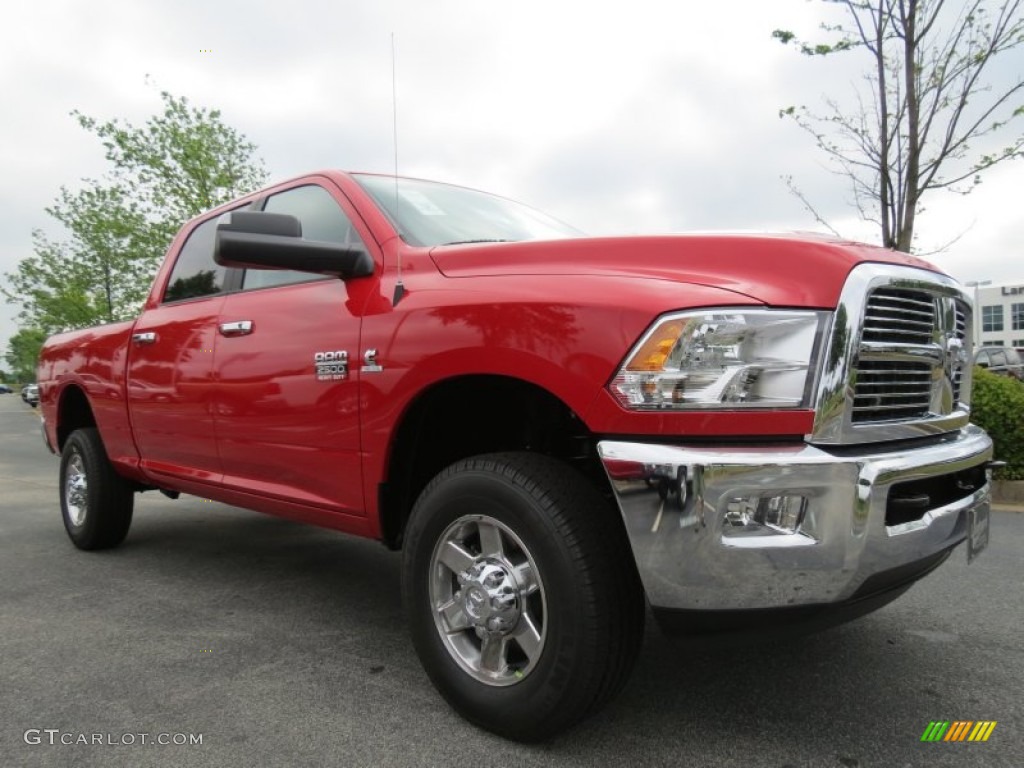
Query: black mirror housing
(262, 223)
(259, 240)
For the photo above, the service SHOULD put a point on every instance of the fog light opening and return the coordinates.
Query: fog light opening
(783, 513)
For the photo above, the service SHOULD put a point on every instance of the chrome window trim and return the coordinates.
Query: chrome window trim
(833, 423)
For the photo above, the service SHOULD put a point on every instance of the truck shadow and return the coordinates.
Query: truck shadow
(843, 692)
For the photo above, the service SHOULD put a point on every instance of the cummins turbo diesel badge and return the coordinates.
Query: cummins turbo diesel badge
(331, 366)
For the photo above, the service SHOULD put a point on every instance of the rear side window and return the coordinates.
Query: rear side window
(195, 273)
(322, 219)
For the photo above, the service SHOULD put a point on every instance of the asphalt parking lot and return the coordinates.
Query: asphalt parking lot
(284, 645)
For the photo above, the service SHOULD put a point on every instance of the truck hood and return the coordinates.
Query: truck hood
(780, 270)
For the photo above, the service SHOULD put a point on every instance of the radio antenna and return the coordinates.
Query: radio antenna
(399, 286)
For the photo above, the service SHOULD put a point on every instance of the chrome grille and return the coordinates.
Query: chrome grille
(904, 335)
(961, 333)
(891, 390)
(896, 364)
(899, 316)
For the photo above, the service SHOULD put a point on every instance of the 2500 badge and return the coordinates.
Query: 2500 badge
(331, 366)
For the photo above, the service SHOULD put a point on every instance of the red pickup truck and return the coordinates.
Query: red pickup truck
(749, 433)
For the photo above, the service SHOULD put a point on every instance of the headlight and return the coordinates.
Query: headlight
(724, 358)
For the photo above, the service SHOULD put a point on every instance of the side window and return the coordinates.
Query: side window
(195, 273)
(322, 219)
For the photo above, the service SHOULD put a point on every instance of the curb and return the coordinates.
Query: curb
(997, 507)
(1008, 495)
(1009, 492)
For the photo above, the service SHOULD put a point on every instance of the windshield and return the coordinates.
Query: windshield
(427, 213)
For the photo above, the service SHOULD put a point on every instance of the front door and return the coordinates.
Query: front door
(286, 361)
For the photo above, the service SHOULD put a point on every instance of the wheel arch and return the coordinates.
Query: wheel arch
(472, 414)
(74, 411)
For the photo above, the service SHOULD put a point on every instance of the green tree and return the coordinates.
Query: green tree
(932, 114)
(180, 163)
(22, 353)
(98, 274)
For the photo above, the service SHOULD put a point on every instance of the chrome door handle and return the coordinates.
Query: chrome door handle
(144, 338)
(237, 328)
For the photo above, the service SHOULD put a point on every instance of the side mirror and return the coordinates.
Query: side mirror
(260, 240)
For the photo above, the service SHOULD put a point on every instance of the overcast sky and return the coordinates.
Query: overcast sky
(617, 117)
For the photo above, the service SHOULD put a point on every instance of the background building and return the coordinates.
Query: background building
(1001, 314)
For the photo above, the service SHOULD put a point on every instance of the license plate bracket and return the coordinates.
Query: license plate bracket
(977, 530)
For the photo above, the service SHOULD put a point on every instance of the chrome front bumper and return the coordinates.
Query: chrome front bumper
(683, 507)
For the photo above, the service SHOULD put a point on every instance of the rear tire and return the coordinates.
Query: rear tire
(521, 593)
(96, 502)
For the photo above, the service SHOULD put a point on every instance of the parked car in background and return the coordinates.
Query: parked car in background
(30, 394)
(5, 390)
(1007, 361)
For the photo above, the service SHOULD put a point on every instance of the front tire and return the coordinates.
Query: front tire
(522, 597)
(96, 502)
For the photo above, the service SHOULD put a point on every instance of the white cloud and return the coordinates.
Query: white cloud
(655, 115)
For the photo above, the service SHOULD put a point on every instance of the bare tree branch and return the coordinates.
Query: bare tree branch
(929, 112)
(810, 208)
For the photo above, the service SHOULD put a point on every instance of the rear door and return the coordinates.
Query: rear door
(170, 367)
(286, 363)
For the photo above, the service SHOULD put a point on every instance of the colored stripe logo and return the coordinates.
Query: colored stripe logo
(958, 730)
